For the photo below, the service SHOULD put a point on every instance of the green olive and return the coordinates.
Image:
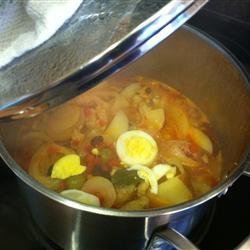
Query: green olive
(123, 177)
(75, 182)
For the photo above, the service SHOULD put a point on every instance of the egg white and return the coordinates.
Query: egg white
(136, 147)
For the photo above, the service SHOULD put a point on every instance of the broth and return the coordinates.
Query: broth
(139, 144)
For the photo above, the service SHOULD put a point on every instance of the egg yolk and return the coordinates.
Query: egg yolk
(138, 147)
(68, 165)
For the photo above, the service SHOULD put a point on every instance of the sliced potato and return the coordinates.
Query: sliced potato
(102, 188)
(117, 126)
(201, 139)
(156, 118)
(62, 122)
(120, 103)
(130, 90)
(34, 139)
(142, 188)
(28, 143)
(124, 194)
(156, 201)
(200, 187)
(144, 109)
(174, 191)
(177, 118)
(137, 204)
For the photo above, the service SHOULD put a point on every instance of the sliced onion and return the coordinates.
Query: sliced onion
(147, 175)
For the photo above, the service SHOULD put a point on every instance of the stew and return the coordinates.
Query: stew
(139, 144)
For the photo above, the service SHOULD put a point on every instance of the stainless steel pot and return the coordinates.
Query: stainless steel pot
(201, 70)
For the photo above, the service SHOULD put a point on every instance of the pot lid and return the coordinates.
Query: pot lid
(97, 41)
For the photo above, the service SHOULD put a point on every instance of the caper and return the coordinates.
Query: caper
(97, 140)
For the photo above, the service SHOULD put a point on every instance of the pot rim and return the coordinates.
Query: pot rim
(220, 188)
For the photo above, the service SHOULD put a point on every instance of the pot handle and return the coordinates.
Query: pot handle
(169, 237)
(247, 168)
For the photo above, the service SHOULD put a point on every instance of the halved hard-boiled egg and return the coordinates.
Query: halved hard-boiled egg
(136, 147)
(68, 165)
